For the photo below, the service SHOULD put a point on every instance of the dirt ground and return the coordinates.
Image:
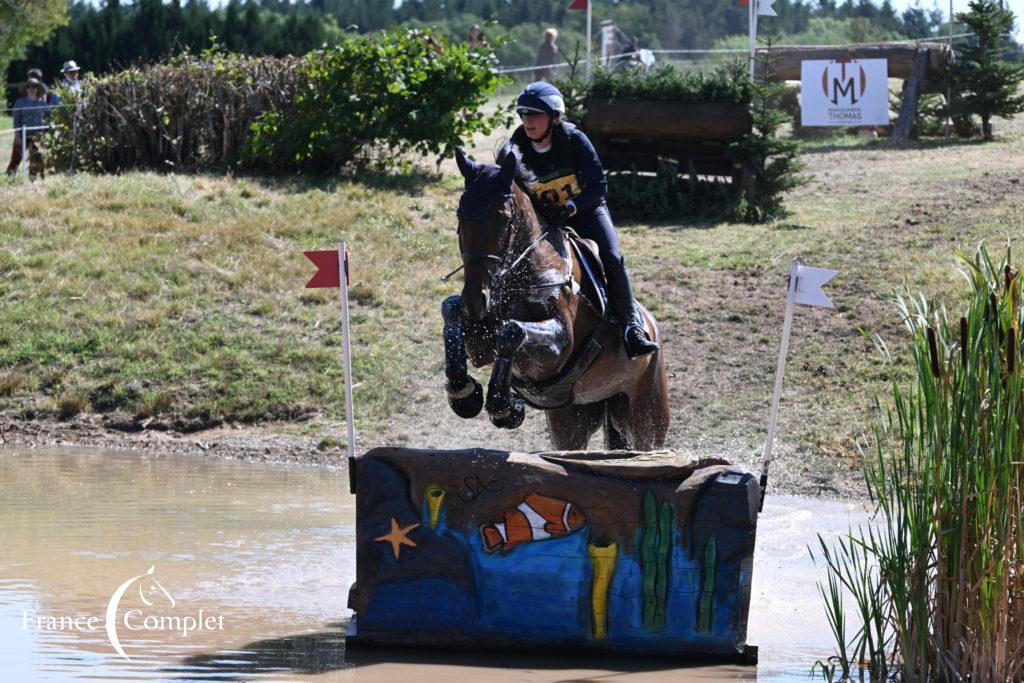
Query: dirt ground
(717, 292)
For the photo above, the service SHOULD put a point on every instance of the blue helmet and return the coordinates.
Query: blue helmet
(542, 97)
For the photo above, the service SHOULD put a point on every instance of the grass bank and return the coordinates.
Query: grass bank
(180, 298)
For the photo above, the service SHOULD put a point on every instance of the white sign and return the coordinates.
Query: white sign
(843, 92)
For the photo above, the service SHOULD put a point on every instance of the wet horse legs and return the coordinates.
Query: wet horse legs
(465, 395)
(542, 342)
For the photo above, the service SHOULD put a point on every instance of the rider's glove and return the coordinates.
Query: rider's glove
(559, 215)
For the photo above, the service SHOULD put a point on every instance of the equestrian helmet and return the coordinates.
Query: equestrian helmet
(542, 97)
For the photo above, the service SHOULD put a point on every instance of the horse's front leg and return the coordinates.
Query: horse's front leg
(465, 395)
(542, 342)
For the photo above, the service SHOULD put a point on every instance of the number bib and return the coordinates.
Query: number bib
(558, 187)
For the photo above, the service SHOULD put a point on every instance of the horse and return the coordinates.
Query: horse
(528, 308)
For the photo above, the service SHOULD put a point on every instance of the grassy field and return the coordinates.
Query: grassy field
(180, 299)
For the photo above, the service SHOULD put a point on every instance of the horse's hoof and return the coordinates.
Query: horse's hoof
(468, 401)
(512, 417)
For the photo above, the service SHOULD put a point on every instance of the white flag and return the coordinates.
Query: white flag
(808, 286)
(764, 8)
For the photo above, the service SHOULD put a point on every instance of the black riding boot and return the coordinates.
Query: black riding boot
(620, 296)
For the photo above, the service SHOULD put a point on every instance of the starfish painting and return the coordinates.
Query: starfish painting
(398, 537)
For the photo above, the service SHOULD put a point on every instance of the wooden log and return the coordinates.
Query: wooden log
(671, 121)
(568, 550)
(911, 92)
(900, 56)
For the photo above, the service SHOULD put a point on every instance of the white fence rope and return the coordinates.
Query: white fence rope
(909, 41)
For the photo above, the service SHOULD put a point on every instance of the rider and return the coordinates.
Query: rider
(569, 188)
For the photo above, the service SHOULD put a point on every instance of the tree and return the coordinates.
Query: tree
(27, 22)
(984, 84)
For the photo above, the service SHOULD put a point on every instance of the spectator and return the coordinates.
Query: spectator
(71, 81)
(51, 98)
(476, 36)
(547, 55)
(30, 111)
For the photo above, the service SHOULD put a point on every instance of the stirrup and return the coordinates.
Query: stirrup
(638, 344)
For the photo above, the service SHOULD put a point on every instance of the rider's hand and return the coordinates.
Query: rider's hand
(558, 215)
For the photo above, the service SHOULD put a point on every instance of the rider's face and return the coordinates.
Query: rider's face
(536, 124)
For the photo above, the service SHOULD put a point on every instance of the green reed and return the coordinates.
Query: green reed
(938, 580)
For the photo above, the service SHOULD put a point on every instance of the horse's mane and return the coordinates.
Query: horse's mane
(524, 177)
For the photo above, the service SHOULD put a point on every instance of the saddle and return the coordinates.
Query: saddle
(593, 284)
(557, 391)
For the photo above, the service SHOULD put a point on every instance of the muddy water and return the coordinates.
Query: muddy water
(251, 566)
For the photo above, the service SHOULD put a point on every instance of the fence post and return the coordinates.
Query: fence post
(911, 92)
(24, 153)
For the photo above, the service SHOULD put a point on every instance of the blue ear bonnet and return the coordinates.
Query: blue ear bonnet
(479, 197)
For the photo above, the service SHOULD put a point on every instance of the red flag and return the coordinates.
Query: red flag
(578, 4)
(328, 274)
(744, 2)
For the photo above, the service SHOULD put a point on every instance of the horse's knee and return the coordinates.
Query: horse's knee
(509, 338)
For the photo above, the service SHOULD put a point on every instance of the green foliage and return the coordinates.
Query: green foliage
(728, 85)
(937, 579)
(371, 99)
(667, 194)
(984, 83)
(402, 91)
(773, 160)
(27, 22)
(929, 120)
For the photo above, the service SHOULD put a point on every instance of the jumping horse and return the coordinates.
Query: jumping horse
(532, 306)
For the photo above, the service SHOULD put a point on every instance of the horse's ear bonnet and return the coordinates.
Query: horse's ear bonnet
(469, 169)
(485, 184)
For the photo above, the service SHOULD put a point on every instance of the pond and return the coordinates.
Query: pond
(247, 566)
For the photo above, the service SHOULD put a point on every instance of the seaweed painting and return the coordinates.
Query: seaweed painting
(655, 559)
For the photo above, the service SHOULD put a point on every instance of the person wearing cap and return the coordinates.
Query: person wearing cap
(71, 81)
(565, 179)
(30, 111)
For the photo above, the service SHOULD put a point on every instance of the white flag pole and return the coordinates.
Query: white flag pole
(590, 5)
(347, 351)
(752, 31)
(787, 323)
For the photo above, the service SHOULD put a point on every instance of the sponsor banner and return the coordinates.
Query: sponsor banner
(844, 92)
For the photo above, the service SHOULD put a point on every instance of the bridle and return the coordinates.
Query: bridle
(495, 279)
(498, 257)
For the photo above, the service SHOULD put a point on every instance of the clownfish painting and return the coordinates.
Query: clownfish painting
(535, 519)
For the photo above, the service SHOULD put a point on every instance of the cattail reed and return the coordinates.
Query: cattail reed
(1011, 351)
(933, 352)
(963, 341)
(938, 582)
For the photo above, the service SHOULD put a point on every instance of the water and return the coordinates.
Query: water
(261, 557)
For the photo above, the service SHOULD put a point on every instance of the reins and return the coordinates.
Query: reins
(496, 278)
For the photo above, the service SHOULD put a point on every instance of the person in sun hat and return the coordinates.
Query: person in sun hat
(30, 111)
(565, 180)
(71, 81)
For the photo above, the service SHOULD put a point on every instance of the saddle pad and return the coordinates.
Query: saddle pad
(593, 271)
